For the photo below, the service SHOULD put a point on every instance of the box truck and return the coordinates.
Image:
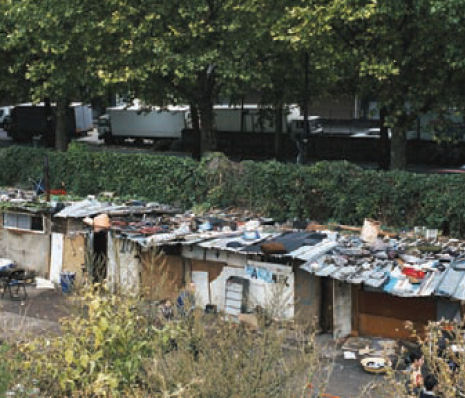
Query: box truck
(31, 120)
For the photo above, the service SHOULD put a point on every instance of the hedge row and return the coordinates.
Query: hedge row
(337, 191)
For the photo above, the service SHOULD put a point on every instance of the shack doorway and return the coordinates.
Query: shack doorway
(326, 312)
(99, 261)
(236, 297)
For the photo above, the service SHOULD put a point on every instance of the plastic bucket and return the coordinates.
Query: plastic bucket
(67, 281)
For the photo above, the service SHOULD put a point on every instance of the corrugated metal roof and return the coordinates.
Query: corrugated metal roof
(92, 207)
(388, 277)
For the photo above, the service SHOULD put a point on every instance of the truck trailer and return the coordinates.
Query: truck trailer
(156, 123)
(123, 122)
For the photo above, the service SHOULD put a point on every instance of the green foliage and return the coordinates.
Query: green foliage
(326, 190)
(115, 346)
(406, 54)
(100, 352)
(5, 375)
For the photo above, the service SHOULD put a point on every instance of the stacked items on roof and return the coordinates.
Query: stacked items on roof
(18, 199)
(406, 266)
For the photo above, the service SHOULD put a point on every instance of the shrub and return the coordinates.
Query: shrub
(4, 371)
(442, 348)
(326, 190)
(100, 351)
(114, 347)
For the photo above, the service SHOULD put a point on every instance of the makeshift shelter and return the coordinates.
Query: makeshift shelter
(25, 228)
(375, 289)
(81, 234)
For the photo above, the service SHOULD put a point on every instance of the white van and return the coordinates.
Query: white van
(4, 112)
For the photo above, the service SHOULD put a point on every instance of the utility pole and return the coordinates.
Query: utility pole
(47, 178)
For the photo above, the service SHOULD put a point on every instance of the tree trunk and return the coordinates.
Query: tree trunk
(383, 141)
(207, 127)
(49, 138)
(196, 142)
(398, 148)
(278, 132)
(61, 130)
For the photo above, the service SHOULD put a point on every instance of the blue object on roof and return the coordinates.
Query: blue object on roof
(389, 287)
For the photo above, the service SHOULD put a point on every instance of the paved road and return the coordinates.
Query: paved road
(3, 136)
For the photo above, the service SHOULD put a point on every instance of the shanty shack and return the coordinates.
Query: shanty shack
(236, 266)
(25, 228)
(82, 241)
(376, 289)
(240, 264)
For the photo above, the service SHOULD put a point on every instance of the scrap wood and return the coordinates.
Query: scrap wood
(359, 229)
(317, 227)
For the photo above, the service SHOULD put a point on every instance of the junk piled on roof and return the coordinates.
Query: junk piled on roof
(412, 264)
(406, 265)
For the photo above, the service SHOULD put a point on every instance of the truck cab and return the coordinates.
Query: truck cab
(296, 124)
(4, 114)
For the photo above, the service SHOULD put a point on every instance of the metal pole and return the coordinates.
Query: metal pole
(47, 178)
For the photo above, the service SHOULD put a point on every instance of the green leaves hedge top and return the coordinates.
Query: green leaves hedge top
(326, 190)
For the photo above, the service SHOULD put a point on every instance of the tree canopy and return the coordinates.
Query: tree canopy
(408, 54)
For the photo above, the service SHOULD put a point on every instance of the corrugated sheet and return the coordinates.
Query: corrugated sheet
(449, 283)
(90, 207)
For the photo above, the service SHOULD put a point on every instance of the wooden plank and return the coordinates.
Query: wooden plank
(381, 326)
(420, 309)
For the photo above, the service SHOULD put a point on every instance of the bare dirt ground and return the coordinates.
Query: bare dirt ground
(37, 315)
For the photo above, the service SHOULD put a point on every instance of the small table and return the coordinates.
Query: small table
(11, 278)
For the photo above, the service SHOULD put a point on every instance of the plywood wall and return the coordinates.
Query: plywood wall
(384, 315)
(307, 298)
(74, 253)
(162, 276)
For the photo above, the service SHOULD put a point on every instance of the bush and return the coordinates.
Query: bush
(4, 371)
(337, 190)
(114, 347)
(442, 348)
(99, 353)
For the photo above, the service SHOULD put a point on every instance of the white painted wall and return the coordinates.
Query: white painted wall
(123, 267)
(273, 296)
(202, 288)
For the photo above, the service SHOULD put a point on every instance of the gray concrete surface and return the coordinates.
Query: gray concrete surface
(347, 379)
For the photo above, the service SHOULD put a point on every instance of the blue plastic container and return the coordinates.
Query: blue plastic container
(67, 281)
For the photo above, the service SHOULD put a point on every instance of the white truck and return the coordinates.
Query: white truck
(123, 122)
(4, 113)
(252, 118)
(156, 123)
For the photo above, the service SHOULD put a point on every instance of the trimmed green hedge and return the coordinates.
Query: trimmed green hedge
(339, 191)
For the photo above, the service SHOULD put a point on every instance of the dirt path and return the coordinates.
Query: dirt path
(37, 315)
